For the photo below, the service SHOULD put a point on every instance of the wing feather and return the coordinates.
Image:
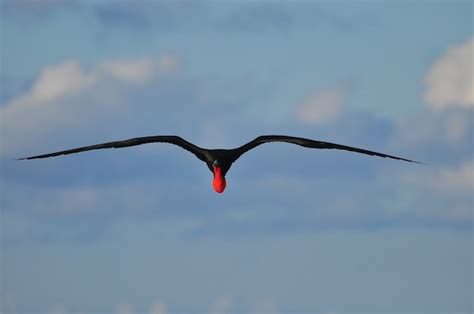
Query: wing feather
(171, 139)
(308, 143)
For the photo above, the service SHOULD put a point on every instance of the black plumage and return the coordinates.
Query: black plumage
(225, 157)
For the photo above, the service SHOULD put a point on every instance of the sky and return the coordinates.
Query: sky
(140, 230)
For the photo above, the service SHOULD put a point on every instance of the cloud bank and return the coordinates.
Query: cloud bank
(124, 95)
(449, 81)
(324, 106)
(68, 95)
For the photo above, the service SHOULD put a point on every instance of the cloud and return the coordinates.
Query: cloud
(7, 301)
(158, 308)
(449, 81)
(120, 95)
(67, 94)
(58, 309)
(436, 136)
(439, 195)
(457, 180)
(443, 134)
(142, 69)
(125, 308)
(84, 201)
(69, 77)
(324, 106)
(441, 192)
(222, 305)
(55, 82)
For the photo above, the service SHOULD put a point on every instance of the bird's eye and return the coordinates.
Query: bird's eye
(216, 163)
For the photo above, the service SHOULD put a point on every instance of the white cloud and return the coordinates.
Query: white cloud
(460, 179)
(57, 309)
(222, 305)
(169, 64)
(7, 301)
(69, 77)
(53, 83)
(451, 126)
(138, 70)
(58, 81)
(158, 308)
(142, 69)
(323, 106)
(452, 180)
(67, 94)
(125, 309)
(449, 81)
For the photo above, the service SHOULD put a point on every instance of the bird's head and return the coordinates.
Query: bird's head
(219, 183)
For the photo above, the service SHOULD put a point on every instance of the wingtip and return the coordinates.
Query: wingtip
(416, 162)
(24, 158)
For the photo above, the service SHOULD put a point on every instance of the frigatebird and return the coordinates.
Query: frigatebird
(218, 161)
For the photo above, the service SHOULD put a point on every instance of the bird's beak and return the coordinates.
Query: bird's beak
(219, 183)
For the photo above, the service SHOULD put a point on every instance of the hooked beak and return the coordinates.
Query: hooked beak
(219, 182)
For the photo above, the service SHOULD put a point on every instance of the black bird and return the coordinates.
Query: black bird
(218, 161)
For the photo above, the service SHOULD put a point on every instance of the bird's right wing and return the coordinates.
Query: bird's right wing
(237, 152)
(171, 139)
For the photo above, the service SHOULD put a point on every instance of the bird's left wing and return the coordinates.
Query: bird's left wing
(171, 139)
(237, 152)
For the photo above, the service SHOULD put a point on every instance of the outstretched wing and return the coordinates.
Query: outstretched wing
(171, 139)
(307, 143)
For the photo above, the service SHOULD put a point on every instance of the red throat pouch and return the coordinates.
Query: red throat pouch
(219, 180)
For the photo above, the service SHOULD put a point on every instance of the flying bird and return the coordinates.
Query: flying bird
(218, 161)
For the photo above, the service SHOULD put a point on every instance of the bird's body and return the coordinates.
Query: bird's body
(218, 161)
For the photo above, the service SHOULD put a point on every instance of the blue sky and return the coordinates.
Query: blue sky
(141, 230)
